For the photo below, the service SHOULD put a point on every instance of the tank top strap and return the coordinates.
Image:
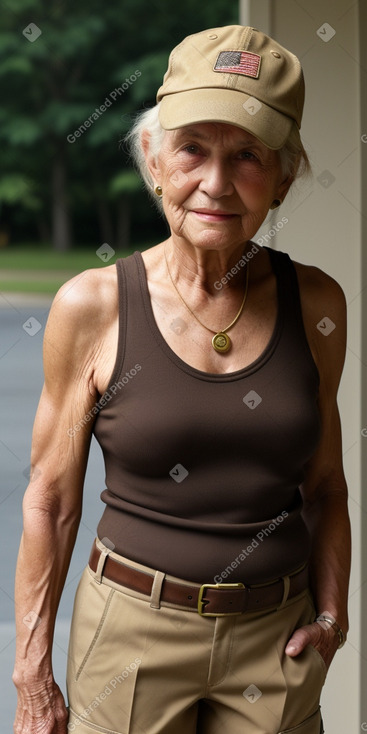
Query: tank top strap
(130, 312)
(128, 281)
(289, 301)
(288, 288)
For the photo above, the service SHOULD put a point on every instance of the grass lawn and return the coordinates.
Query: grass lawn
(36, 269)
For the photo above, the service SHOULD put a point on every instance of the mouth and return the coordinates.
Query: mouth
(213, 215)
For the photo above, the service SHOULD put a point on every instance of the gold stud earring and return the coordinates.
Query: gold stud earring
(276, 203)
(158, 191)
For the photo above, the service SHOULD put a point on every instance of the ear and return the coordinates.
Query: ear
(284, 187)
(151, 161)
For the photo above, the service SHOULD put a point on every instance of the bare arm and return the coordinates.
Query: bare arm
(324, 488)
(53, 501)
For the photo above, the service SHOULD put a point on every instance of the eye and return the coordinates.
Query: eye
(247, 155)
(192, 149)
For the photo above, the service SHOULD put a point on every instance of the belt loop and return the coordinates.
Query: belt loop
(155, 597)
(286, 584)
(101, 563)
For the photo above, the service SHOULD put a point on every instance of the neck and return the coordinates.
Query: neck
(210, 271)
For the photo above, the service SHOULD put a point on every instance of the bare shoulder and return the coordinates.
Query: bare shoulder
(324, 314)
(87, 301)
(83, 312)
(92, 291)
(319, 292)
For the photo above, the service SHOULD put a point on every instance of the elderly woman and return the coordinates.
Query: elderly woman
(207, 367)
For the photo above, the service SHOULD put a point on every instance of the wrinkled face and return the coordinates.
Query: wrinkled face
(218, 183)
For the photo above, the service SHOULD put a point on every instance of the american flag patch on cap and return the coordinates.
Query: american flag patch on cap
(238, 62)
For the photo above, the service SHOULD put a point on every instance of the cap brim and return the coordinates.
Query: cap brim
(228, 106)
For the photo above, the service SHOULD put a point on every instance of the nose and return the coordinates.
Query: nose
(216, 178)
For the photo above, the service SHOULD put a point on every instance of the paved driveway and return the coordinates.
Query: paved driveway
(22, 322)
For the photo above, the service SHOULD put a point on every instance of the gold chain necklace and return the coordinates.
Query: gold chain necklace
(220, 341)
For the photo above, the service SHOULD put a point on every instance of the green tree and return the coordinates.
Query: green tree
(60, 63)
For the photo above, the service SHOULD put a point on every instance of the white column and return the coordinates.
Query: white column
(326, 227)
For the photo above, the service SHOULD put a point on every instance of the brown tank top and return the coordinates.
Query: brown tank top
(203, 470)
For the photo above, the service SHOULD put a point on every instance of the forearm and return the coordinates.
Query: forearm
(328, 522)
(44, 556)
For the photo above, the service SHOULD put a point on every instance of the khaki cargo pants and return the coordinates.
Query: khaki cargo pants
(137, 669)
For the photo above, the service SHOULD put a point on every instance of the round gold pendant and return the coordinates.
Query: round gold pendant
(221, 342)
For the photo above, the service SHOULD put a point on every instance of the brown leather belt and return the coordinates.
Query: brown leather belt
(210, 600)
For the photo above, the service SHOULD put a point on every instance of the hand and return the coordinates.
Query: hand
(325, 641)
(41, 710)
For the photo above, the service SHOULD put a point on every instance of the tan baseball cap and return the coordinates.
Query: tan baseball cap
(233, 74)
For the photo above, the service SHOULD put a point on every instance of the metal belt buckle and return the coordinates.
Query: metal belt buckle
(201, 600)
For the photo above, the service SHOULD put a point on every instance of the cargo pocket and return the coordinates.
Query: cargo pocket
(104, 657)
(91, 606)
(321, 661)
(312, 725)
(81, 726)
(96, 634)
(304, 676)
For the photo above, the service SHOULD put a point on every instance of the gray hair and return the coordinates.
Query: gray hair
(293, 157)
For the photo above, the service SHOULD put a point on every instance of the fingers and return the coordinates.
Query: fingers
(52, 719)
(62, 718)
(310, 634)
(61, 727)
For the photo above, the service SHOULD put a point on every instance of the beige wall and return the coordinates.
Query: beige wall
(326, 229)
